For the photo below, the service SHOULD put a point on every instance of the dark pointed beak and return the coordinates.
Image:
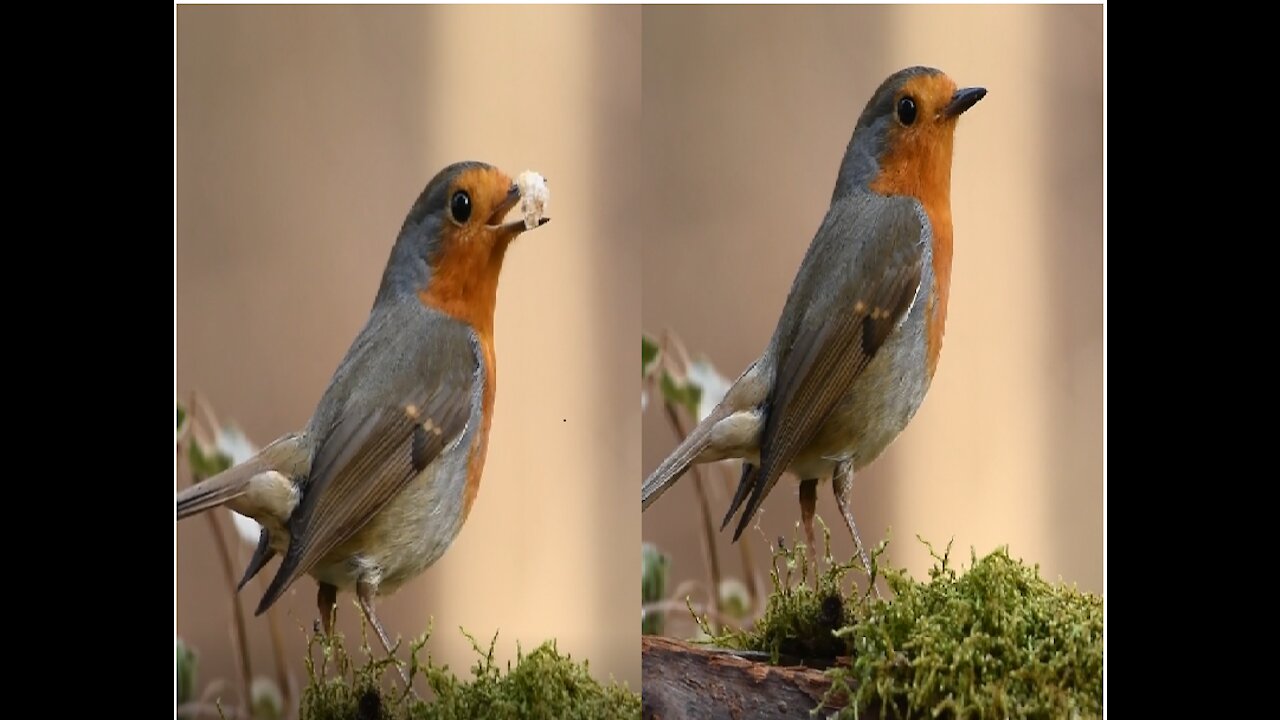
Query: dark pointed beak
(964, 99)
(515, 227)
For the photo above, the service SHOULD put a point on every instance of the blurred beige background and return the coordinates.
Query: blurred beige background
(304, 134)
(747, 112)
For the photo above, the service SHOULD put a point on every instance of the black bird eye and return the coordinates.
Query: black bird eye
(460, 206)
(907, 110)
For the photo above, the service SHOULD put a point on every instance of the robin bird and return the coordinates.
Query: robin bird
(857, 344)
(377, 485)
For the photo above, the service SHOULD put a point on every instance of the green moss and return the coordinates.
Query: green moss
(805, 609)
(541, 684)
(996, 641)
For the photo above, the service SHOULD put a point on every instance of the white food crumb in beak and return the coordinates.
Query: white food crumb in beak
(534, 196)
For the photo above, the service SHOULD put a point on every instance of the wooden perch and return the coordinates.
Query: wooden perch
(687, 681)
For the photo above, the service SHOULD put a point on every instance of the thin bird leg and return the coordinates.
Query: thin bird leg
(842, 484)
(808, 504)
(365, 593)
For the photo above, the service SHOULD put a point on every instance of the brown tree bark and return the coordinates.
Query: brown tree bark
(687, 681)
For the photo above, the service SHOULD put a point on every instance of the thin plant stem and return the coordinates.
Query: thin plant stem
(197, 709)
(667, 606)
(749, 569)
(228, 572)
(708, 528)
(237, 613)
(277, 653)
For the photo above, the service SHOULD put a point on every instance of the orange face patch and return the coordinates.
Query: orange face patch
(464, 276)
(917, 161)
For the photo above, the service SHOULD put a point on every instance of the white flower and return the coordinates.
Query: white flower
(713, 385)
(247, 528)
(231, 441)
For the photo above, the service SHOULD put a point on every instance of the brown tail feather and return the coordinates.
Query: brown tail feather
(678, 461)
(221, 488)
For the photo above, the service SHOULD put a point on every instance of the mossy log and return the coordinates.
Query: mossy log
(690, 681)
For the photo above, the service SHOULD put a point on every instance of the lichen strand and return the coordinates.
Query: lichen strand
(996, 641)
(541, 684)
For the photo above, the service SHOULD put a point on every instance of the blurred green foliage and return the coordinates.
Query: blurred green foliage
(185, 670)
(653, 586)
